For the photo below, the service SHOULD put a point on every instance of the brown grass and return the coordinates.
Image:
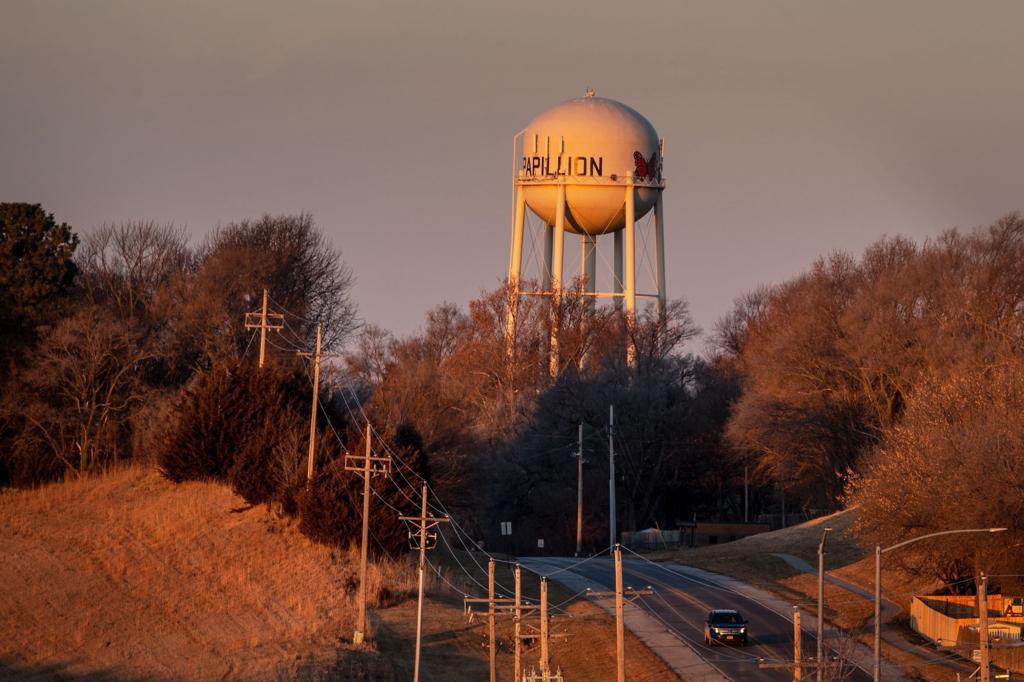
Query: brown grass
(128, 575)
(582, 635)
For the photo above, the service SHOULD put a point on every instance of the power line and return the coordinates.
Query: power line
(460, 532)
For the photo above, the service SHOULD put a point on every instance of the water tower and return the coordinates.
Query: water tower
(591, 167)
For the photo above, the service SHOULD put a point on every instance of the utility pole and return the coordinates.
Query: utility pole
(876, 658)
(490, 615)
(368, 467)
(312, 414)
(419, 540)
(517, 623)
(621, 596)
(983, 628)
(579, 491)
(797, 673)
(746, 507)
(783, 506)
(263, 321)
(620, 635)
(821, 606)
(611, 476)
(544, 626)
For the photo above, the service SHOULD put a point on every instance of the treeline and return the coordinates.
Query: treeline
(889, 381)
(129, 344)
(892, 383)
(500, 432)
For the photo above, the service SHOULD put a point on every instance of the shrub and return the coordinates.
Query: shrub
(248, 427)
(214, 419)
(330, 507)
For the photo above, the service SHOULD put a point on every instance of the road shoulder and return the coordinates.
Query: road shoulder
(860, 655)
(678, 655)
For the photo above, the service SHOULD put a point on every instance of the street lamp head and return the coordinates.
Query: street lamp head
(821, 545)
(996, 530)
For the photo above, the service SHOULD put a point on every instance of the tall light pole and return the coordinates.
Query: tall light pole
(821, 605)
(579, 492)
(876, 667)
(611, 477)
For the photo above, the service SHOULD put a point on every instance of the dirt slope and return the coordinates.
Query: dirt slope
(128, 576)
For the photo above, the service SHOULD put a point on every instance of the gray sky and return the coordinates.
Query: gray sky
(791, 128)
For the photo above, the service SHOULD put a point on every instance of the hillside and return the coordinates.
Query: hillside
(128, 576)
(754, 559)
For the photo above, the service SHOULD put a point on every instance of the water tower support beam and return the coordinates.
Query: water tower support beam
(617, 269)
(589, 264)
(630, 283)
(514, 270)
(556, 280)
(659, 245)
(549, 243)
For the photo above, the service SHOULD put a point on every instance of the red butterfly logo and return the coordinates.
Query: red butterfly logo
(645, 168)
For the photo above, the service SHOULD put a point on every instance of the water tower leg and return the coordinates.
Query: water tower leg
(556, 280)
(549, 241)
(514, 270)
(659, 245)
(588, 273)
(617, 269)
(630, 282)
(590, 263)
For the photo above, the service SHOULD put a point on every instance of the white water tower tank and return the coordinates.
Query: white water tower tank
(596, 145)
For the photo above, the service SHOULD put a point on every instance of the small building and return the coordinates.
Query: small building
(707, 533)
(651, 538)
(691, 535)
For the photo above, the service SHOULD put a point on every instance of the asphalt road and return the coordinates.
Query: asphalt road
(681, 604)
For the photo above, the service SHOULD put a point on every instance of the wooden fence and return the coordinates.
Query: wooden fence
(952, 621)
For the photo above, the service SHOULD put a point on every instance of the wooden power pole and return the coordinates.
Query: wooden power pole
(517, 623)
(579, 491)
(316, 404)
(420, 539)
(985, 675)
(264, 321)
(622, 595)
(366, 468)
(620, 630)
(797, 673)
(544, 665)
(490, 616)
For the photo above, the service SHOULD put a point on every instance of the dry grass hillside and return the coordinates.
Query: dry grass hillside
(753, 560)
(128, 576)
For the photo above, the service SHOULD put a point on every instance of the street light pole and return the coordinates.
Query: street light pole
(821, 605)
(876, 663)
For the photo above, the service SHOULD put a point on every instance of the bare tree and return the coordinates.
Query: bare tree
(290, 255)
(126, 265)
(75, 399)
(956, 460)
